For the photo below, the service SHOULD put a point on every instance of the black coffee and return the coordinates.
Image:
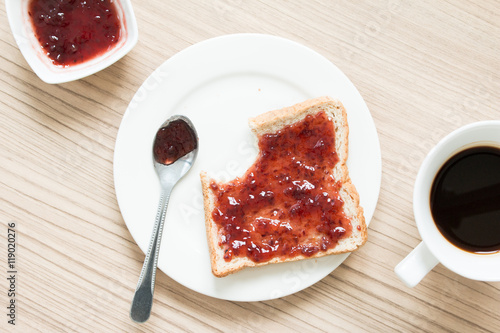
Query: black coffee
(465, 199)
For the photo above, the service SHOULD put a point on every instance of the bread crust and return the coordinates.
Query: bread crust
(271, 122)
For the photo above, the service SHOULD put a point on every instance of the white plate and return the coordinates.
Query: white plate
(219, 84)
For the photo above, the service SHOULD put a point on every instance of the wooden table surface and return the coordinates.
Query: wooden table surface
(424, 69)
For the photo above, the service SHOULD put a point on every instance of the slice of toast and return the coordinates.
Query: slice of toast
(353, 231)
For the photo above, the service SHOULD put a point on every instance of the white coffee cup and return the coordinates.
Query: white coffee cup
(435, 248)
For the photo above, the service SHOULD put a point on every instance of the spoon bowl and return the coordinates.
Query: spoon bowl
(174, 151)
(174, 171)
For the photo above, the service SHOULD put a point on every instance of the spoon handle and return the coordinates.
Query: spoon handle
(143, 297)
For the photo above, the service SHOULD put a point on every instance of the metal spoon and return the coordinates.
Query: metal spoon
(176, 161)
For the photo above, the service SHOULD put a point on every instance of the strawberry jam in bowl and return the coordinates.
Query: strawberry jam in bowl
(71, 32)
(65, 40)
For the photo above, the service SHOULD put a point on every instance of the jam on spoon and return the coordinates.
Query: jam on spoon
(174, 141)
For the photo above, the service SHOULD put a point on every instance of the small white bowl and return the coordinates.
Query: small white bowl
(21, 26)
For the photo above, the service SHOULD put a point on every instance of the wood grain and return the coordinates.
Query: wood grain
(424, 68)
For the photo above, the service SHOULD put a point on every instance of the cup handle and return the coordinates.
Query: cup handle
(416, 265)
